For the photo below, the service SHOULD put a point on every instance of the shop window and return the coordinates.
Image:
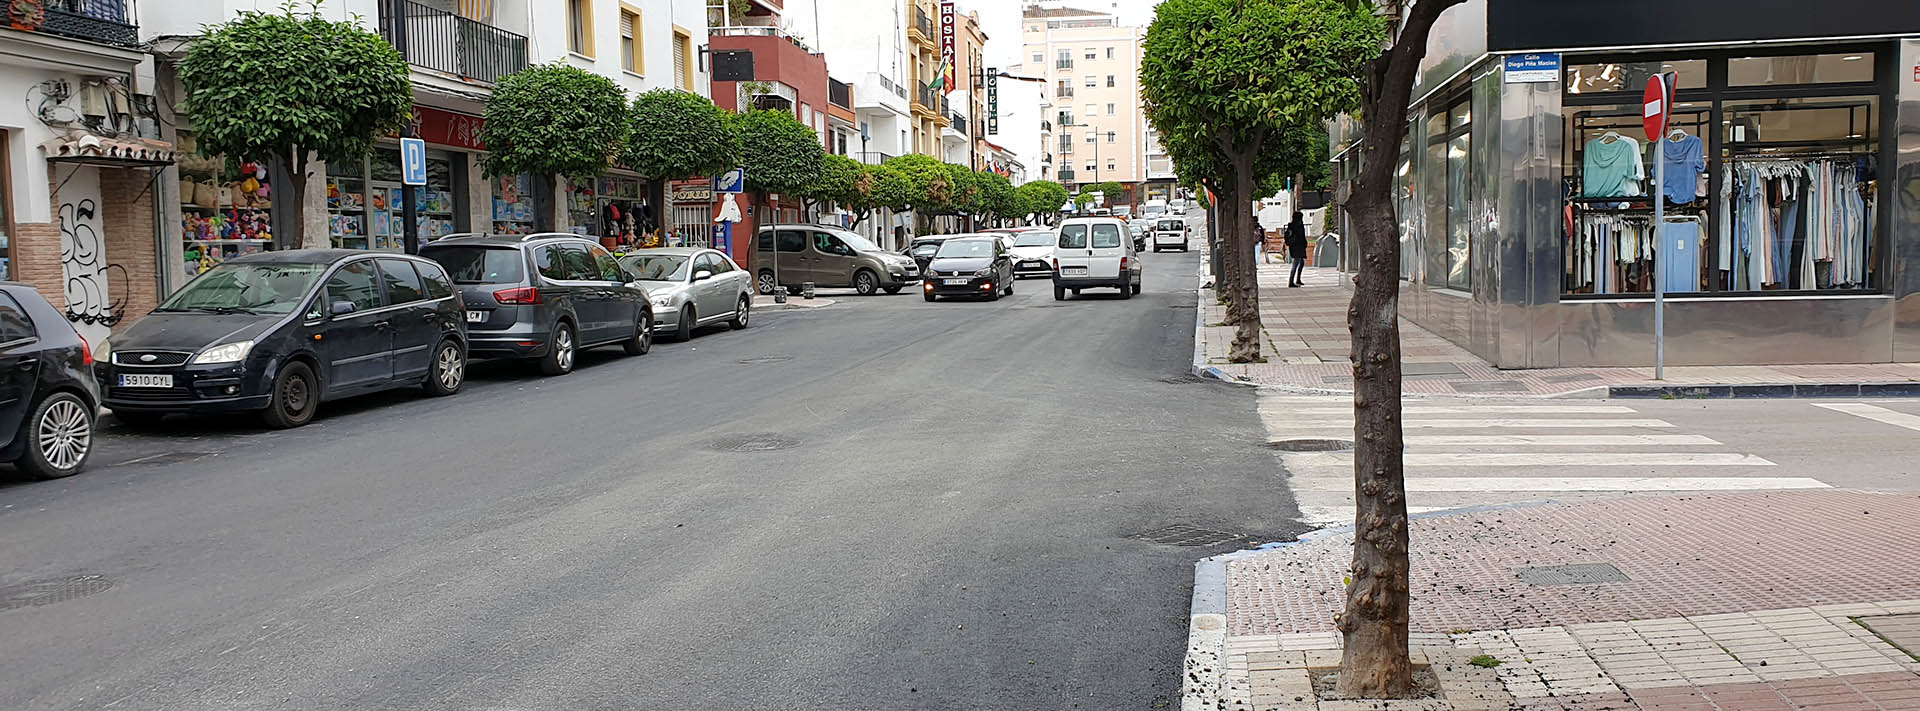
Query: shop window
(225, 206)
(1798, 181)
(1407, 203)
(513, 205)
(1610, 249)
(609, 207)
(1801, 69)
(435, 205)
(1449, 147)
(1633, 76)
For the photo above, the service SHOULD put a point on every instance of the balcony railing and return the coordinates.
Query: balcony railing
(923, 23)
(432, 38)
(1066, 176)
(839, 94)
(959, 123)
(930, 99)
(1063, 64)
(888, 84)
(1065, 92)
(104, 21)
(1047, 126)
(873, 157)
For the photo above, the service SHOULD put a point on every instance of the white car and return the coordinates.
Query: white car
(1170, 234)
(1032, 253)
(1095, 252)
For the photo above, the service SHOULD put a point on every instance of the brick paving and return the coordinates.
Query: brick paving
(1306, 348)
(1745, 601)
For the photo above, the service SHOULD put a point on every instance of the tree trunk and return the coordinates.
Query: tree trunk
(1243, 300)
(1374, 662)
(297, 180)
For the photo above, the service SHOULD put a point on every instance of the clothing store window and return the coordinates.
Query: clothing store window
(1407, 205)
(1449, 146)
(1603, 77)
(1846, 67)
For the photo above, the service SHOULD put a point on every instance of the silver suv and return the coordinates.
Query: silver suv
(544, 297)
(828, 257)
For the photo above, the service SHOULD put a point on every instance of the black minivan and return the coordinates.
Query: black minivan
(279, 332)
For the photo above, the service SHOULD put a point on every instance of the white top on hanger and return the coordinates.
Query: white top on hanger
(1609, 137)
(1677, 134)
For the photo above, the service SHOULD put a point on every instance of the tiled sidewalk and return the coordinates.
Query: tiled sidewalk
(1306, 347)
(1742, 601)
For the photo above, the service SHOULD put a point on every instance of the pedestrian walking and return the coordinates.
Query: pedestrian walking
(1259, 243)
(1297, 249)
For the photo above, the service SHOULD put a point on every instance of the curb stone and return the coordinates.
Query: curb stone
(1760, 390)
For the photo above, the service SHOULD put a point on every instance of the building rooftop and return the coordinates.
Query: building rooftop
(1036, 11)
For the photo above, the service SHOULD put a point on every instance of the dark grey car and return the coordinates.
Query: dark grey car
(544, 297)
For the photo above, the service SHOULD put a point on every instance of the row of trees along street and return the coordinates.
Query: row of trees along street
(1237, 90)
(302, 88)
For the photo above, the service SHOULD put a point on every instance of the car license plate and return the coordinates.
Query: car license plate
(957, 282)
(128, 380)
(1073, 271)
(476, 316)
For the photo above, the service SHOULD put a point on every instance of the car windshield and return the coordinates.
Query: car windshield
(659, 267)
(480, 265)
(966, 248)
(858, 243)
(1041, 238)
(247, 288)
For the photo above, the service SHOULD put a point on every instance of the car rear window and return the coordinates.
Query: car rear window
(480, 265)
(1073, 237)
(1106, 235)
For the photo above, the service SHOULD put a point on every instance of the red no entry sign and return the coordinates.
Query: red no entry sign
(1655, 104)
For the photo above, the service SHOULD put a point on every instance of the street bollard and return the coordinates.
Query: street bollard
(806, 290)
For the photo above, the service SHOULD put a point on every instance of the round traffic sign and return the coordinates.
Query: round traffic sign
(1655, 104)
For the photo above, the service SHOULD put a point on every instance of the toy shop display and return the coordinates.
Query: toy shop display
(346, 206)
(225, 207)
(613, 210)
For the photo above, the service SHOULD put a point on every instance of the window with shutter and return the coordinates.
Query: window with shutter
(682, 47)
(629, 45)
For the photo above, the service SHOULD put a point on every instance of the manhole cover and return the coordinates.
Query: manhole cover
(1310, 445)
(754, 443)
(1577, 574)
(52, 590)
(1181, 534)
(765, 359)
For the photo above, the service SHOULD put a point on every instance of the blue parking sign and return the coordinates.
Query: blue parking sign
(732, 181)
(413, 161)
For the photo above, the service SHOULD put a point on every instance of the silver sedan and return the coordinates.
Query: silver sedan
(691, 287)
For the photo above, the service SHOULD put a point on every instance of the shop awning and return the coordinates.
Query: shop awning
(89, 149)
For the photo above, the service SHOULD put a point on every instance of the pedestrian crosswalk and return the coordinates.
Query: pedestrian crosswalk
(1482, 454)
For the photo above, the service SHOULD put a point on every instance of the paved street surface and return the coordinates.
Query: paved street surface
(948, 529)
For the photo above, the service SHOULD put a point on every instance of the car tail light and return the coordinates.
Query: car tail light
(1123, 263)
(1056, 263)
(522, 295)
(86, 349)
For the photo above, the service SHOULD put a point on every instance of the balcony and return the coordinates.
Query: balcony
(922, 29)
(1046, 126)
(1064, 92)
(441, 41)
(103, 21)
(1063, 64)
(1066, 176)
(840, 94)
(959, 123)
(934, 105)
(873, 157)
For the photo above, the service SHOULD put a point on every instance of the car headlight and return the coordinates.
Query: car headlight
(224, 353)
(103, 353)
(661, 302)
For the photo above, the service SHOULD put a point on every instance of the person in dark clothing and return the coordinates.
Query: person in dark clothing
(1297, 249)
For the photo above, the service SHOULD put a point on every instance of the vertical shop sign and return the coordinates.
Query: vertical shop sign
(949, 38)
(993, 101)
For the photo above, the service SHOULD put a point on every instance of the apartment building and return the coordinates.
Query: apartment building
(1092, 66)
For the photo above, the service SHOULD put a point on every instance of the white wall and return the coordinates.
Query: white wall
(166, 18)
(1023, 105)
(547, 25)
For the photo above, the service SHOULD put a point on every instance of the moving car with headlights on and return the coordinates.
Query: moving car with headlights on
(48, 397)
(1170, 233)
(970, 265)
(280, 332)
(1032, 253)
(692, 287)
(829, 257)
(1094, 252)
(544, 297)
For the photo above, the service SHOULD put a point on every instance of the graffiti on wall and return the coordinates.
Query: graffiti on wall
(83, 258)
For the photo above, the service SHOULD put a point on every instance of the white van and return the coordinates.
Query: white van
(1170, 233)
(1095, 252)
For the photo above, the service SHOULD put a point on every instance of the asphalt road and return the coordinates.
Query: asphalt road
(948, 529)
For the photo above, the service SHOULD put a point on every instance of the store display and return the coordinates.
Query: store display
(1798, 223)
(225, 207)
(1686, 161)
(1611, 167)
(513, 204)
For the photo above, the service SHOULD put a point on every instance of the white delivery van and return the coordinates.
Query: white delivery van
(1170, 233)
(1095, 252)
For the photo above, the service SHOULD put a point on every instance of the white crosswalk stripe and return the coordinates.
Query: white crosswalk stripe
(1473, 455)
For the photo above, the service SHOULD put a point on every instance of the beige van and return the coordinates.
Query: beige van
(829, 257)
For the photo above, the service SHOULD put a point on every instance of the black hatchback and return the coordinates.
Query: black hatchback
(970, 265)
(279, 332)
(47, 399)
(544, 297)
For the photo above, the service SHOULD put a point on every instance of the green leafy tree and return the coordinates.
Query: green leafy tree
(997, 199)
(842, 181)
(929, 186)
(1375, 662)
(965, 198)
(294, 87)
(1224, 80)
(892, 189)
(1042, 200)
(554, 120)
(1081, 201)
(780, 154)
(676, 135)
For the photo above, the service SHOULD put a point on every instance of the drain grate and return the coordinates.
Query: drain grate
(47, 592)
(1576, 574)
(1310, 445)
(754, 443)
(1181, 534)
(760, 360)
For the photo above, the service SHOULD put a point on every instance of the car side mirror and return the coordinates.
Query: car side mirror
(341, 308)
(702, 275)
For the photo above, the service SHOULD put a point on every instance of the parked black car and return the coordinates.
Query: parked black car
(922, 250)
(544, 297)
(48, 400)
(280, 332)
(973, 265)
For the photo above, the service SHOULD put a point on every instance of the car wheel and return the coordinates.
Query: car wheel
(865, 283)
(642, 340)
(765, 283)
(1059, 293)
(1126, 291)
(295, 397)
(1136, 288)
(683, 331)
(1009, 286)
(60, 436)
(930, 297)
(561, 349)
(449, 369)
(740, 314)
(894, 289)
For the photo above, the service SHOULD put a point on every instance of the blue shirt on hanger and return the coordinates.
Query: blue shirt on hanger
(1685, 161)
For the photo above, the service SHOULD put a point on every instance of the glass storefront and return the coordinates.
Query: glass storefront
(364, 201)
(610, 208)
(513, 206)
(226, 207)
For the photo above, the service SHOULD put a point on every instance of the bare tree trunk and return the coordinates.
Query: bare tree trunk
(1243, 303)
(297, 178)
(1375, 663)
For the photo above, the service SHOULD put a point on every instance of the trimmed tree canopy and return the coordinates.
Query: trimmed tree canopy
(1042, 197)
(997, 197)
(841, 181)
(675, 135)
(280, 84)
(891, 188)
(554, 119)
(929, 186)
(781, 154)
